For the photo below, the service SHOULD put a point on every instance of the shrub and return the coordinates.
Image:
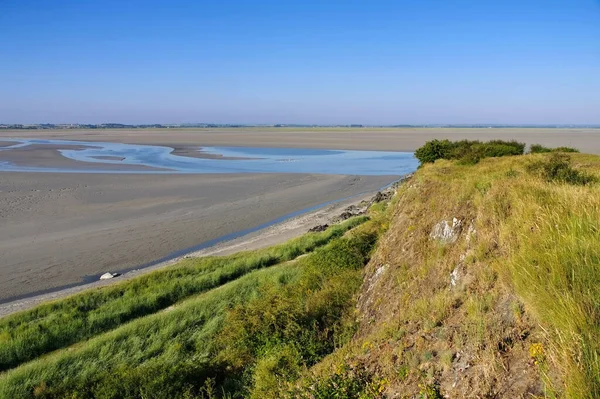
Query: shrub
(565, 149)
(539, 149)
(467, 151)
(558, 168)
(434, 150)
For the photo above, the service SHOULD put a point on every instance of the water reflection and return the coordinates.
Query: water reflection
(233, 159)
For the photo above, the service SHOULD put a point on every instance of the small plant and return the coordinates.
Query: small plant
(403, 372)
(537, 353)
(429, 391)
(349, 382)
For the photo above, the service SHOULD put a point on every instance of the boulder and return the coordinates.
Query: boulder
(318, 228)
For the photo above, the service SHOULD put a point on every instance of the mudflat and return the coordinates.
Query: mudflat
(57, 228)
(384, 139)
(48, 155)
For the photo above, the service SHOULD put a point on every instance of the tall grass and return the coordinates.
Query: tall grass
(555, 267)
(221, 339)
(558, 168)
(158, 356)
(27, 335)
(543, 236)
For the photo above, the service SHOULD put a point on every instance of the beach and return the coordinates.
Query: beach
(56, 229)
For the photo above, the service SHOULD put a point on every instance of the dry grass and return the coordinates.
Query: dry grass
(523, 319)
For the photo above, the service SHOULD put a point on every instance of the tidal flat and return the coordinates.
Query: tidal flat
(65, 221)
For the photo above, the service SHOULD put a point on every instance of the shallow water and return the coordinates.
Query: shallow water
(254, 160)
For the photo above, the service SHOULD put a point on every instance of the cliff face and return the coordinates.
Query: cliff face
(484, 285)
(433, 307)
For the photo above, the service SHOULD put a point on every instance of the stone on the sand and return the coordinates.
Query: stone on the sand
(108, 275)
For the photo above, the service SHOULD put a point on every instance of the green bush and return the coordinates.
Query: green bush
(540, 149)
(565, 149)
(558, 168)
(434, 150)
(467, 151)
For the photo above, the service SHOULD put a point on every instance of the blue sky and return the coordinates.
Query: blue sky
(325, 62)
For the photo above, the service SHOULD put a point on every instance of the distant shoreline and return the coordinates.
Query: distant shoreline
(84, 126)
(406, 139)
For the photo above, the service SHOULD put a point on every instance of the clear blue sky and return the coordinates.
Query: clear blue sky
(311, 61)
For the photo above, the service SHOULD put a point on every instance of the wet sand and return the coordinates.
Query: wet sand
(384, 139)
(48, 156)
(55, 229)
(196, 152)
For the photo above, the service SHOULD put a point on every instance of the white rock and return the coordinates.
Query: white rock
(445, 232)
(380, 270)
(455, 276)
(108, 275)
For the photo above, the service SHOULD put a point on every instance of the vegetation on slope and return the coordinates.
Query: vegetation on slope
(27, 335)
(511, 308)
(233, 339)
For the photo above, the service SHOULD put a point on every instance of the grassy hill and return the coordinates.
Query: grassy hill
(510, 309)
(480, 279)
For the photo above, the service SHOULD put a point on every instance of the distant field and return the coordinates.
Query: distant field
(389, 139)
